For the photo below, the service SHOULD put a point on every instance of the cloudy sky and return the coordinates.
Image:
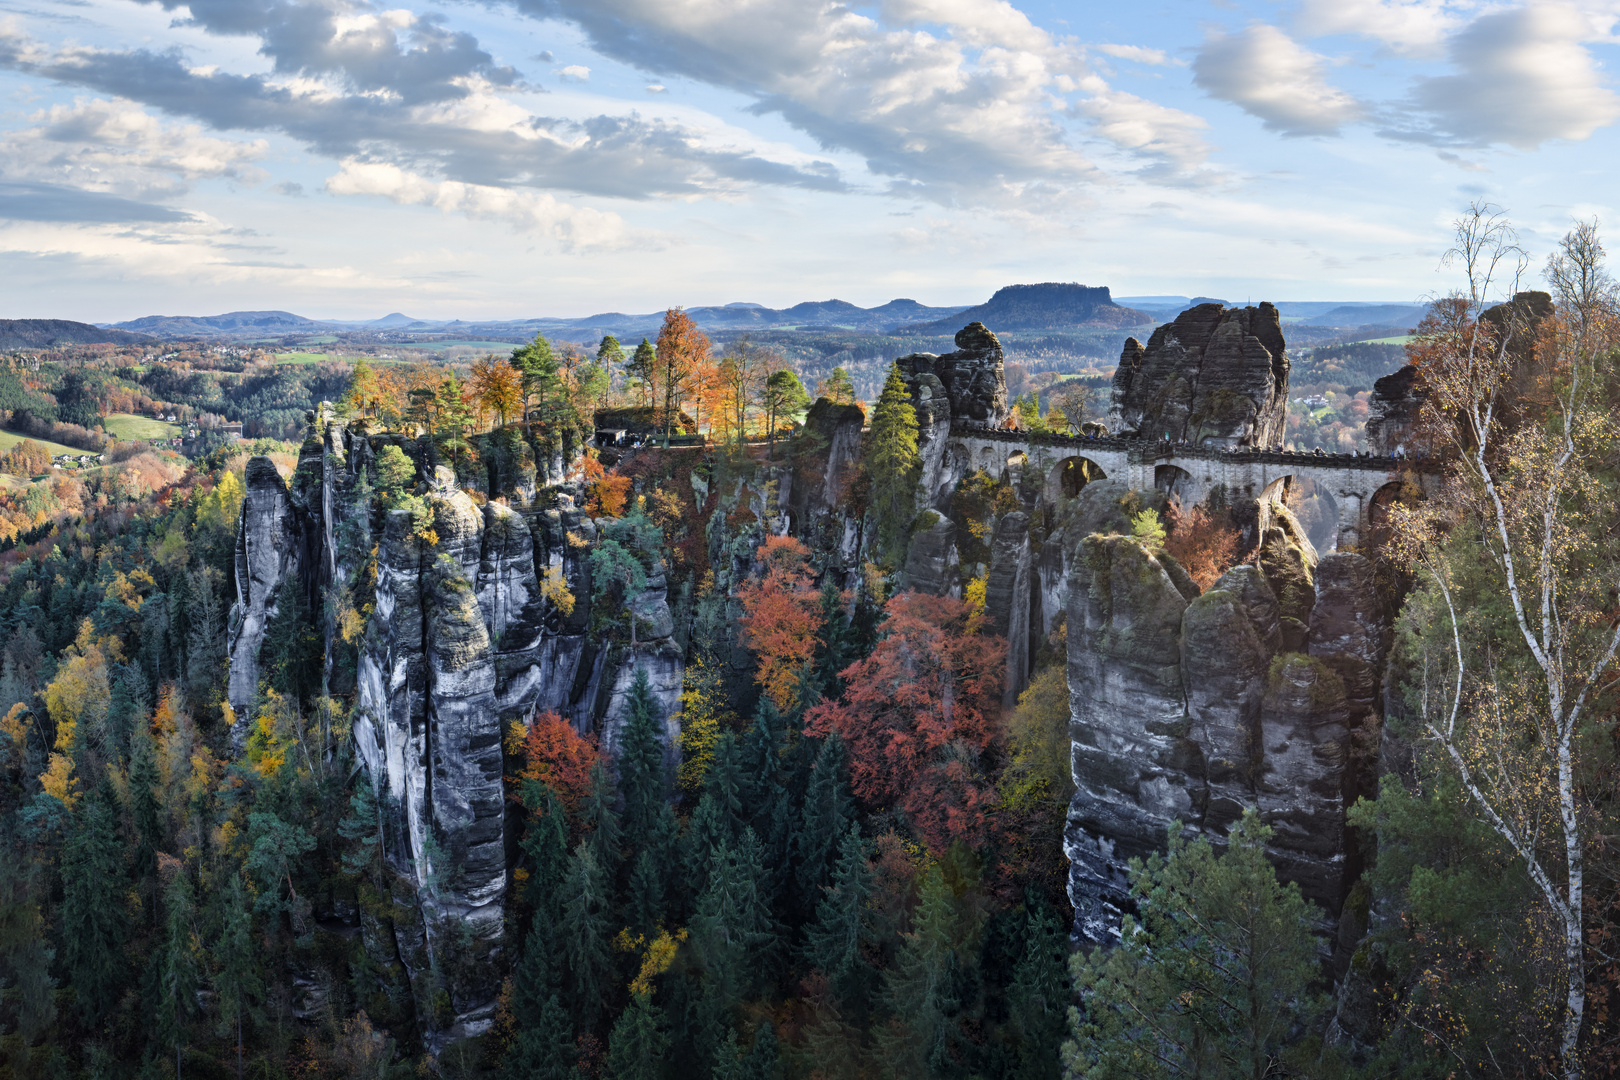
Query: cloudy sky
(504, 158)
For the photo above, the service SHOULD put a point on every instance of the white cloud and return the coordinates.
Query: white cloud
(571, 226)
(951, 99)
(117, 147)
(1137, 54)
(574, 73)
(1411, 27)
(1269, 76)
(1524, 77)
(657, 88)
(1171, 141)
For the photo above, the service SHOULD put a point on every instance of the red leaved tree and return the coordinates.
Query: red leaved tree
(782, 616)
(553, 752)
(919, 713)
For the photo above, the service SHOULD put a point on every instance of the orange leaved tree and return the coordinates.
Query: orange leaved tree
(557, 755)
(782, 616)
(919, 713)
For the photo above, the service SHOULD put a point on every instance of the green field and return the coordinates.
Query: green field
(9, 439)
(304, 357)
(1398, 339)
(130, 426)
(492, 346)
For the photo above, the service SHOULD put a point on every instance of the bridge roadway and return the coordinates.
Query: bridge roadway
(1351, 482)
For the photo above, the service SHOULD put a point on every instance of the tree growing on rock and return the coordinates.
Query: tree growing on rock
(891, 462)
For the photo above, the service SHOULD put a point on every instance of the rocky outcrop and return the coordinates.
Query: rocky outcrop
(1192, 708)
(931, 558)
(1007, 599)
(1215, 376)
(269, 546)
(1392, 412)
(1134, 762)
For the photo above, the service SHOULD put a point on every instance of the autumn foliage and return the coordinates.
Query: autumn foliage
(1205, 544)
(919, 713)
(555, 754)
(782, 617)
(605, 493)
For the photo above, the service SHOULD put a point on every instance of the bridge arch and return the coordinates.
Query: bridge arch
(1068, 476)
(1174, 481)
(1401, 492)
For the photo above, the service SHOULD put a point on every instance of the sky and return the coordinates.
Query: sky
(485, 159)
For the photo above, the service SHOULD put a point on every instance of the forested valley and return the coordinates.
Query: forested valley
(643, 713)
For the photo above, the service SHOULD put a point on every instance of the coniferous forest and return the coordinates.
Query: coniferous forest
(640, 713)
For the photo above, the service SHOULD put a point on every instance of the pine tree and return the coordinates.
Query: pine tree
(93, 919)
(1213, 978)
(360, 827)
(180, 963)
(891, 463)
(642, 368)
(236, 982)
(639, 1045)
(586, 926)
(828, 811)
(1038, 999)
(725, 785)
(843, 924)
(642, 778)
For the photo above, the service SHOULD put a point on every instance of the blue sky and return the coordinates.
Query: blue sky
(505, 158)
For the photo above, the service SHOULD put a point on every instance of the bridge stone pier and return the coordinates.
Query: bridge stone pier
(1065, 463)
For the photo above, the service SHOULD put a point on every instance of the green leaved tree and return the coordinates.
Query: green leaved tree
(891, 462)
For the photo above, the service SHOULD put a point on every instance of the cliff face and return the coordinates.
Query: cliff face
(1192, 707)
(1215, 376)
(459, 642)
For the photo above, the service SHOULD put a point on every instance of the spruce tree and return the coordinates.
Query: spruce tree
(145, 812)
(586, 930)
(642, 779)
(360, 828)
(545, 847)
(835, 646)
(1038, 999)
(639, 1045)
(843, 924)
(180, 963)
(828, 811)
(642, 369)
(93, 922)
(734, 938)
(603, 822)
(919, 986)
(645, 906)
(543, 1046)
(891, 462)
(236, 981)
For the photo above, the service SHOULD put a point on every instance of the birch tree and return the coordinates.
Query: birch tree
(1515, 557)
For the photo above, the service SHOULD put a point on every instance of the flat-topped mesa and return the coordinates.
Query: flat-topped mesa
(1215, 376)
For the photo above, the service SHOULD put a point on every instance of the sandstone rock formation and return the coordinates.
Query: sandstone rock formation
(269, 546)
(1215, 376)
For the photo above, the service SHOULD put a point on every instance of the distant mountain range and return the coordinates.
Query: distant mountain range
(1050, 306)
(44, 333)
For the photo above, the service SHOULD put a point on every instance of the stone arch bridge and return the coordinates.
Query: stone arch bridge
(1354, 483)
